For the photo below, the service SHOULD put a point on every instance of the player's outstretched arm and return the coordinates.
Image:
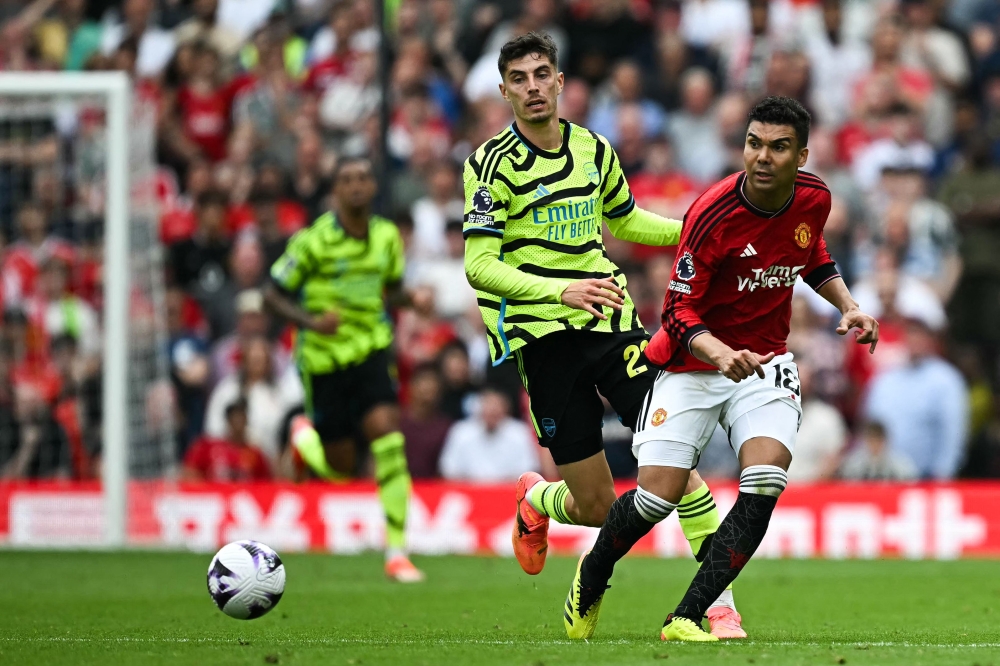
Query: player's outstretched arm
(285, 307)
(734, 365)
(486, 272)
(836, 292)
(642, 226)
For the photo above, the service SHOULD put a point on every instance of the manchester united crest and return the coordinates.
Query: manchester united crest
(659, 416)
(803, 235)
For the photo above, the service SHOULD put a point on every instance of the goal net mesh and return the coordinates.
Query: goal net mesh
(53, 192)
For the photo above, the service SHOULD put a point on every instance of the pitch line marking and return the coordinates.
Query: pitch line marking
(446, 641)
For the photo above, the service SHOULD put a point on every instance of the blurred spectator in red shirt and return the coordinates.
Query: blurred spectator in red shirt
(178, 221)
(58, 312)
(421, 334)
(423, 423)
(662, 188)
(204, 105)
(23, 258)
(333, 53)
(229, 458)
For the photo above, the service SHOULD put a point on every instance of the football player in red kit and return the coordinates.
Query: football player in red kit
(722, 355)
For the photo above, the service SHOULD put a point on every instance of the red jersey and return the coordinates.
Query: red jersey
(735, 269)
(220, 460)
(206, 120)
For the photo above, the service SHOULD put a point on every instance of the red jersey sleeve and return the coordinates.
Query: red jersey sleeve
(821, 268)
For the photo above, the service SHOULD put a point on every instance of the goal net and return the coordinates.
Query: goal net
(85, 390)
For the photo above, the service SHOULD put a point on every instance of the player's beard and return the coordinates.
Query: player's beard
(539, 117)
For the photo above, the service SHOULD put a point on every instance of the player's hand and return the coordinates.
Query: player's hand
(738, 365)
(326, 323)
(591, 295)
(855, 318)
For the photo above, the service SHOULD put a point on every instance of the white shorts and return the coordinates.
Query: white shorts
(683, 408)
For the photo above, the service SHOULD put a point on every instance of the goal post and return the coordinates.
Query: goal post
(115, 89)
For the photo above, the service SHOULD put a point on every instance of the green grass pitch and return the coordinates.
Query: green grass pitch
(118, 609)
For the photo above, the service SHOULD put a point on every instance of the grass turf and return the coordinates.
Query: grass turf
(153, 608)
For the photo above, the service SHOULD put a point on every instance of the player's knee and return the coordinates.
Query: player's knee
(650, 506)
(768, 480)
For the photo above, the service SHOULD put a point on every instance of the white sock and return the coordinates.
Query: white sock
(394, 552)
(725, 599)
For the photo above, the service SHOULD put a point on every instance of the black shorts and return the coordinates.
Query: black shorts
(562, 373)
(338, 401)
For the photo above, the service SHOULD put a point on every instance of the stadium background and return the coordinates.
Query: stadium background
(255, 101)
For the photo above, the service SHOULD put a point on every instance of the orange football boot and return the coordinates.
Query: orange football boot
(401, 570)
(531, 528)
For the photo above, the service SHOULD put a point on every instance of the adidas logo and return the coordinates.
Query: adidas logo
(542, 191)
(749, 251)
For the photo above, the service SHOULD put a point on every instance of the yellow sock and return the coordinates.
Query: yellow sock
(550, 499)
(699, 518)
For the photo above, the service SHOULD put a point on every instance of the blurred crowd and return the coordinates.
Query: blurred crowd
(256, 100)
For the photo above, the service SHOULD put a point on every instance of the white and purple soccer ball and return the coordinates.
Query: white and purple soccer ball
(246, 579)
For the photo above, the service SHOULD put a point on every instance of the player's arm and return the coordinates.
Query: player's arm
(642, 226)
(821, 274)
(627, 221)
(282, 305)
(287, 276)
(486, 272)
(485, 221)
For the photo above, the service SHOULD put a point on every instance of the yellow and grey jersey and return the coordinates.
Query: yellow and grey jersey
(548, 207)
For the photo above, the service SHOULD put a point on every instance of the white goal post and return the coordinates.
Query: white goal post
(116, 91)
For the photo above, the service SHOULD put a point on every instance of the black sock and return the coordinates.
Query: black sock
(622, 528)
(733, 544)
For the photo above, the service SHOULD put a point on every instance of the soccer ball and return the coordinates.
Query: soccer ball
(246, 579)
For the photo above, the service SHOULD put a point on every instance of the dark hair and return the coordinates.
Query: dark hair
(874, 429)
(899, 108)
(212, 198)
(348, 160)
(238, 405)
(527, 44)
(778, 110)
